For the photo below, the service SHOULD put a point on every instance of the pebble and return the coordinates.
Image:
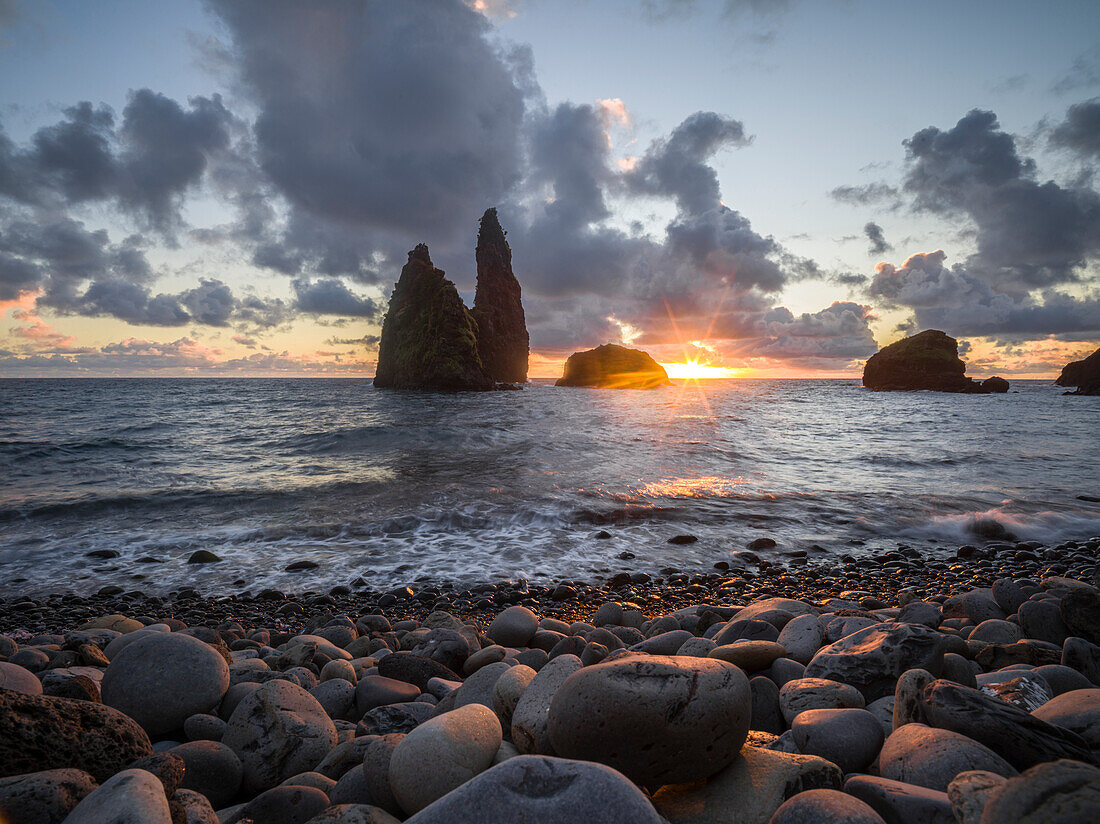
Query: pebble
(801, 638)
(210, 768)
(751, 656)
(656, 719)
(508, 690)
(970, 791)
(514, 627)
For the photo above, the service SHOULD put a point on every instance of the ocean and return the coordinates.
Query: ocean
(394, 487)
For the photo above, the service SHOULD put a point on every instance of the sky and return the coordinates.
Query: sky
(773, 187)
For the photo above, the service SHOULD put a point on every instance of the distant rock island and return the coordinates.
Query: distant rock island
(431, 341)
(928, 360)
(614, 367)
(1084, 374)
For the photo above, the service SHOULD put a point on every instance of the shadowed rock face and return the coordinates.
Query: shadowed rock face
(928, 360)
(1084, 374)
(613, 367)
(429, 339)
(502, 340)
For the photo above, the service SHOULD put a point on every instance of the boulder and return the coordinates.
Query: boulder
(613, 367)
(442, 754)
(353, 814)
(872, 659)
(290, 804)
(1059, 792)
(163, 678)
(1077, 711)
(927, 360)
(429, 338)
(19, 679)
(657, 719)
(39, 732)
(901, 803)
(970, 791)
(825, 807)
(804, 694)
(928, 757)
(502, 340)
(277, 731)
(129, 797)
(44, 797)
(542, 790)
(1080, 612)
(414, 669)
(1021, 739)
(749, 790)
(850, 738)
(210, 768)
(530, 720)
(1084, 374)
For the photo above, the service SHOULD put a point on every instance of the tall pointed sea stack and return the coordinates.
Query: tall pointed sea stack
(502, 340)
(429, 338)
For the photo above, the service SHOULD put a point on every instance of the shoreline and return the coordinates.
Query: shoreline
(885, 578)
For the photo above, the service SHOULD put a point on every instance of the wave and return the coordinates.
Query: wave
(1000, 524)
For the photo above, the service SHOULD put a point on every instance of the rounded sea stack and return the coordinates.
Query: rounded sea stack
(613, 367)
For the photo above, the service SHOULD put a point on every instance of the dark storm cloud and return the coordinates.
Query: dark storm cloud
(164, 152)
(130, 302)
(1029, 234)
(875, 235)
(145, 166)
(399, 116)
(1080, 131)
(330, 296)
(953, 299)
(839, 332)
(211, 303)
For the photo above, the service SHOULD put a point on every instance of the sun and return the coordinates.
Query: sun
(692, 370)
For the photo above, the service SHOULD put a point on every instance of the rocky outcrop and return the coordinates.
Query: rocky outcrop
(502, 340)
(429, 338)
(613, 367)
(928, 360)
(1084, 374)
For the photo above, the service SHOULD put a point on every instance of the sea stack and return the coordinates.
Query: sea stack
(502, 340)
(928, 360)
(613, 367)
(1084, 374)
(429, 338)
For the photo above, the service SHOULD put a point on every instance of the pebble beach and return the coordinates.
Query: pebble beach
(922, 685)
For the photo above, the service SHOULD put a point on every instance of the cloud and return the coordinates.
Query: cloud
(866, 194)
(332, 297)
(1080, 131)
(399, 120)
(875, 235)
(1083, 73)
(1029, 234)
(953, 299)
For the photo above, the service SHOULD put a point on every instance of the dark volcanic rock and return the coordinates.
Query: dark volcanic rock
(502, 340)
(1020, 738)
(928, 360)
(429, 339)
(613, 367)
(1084, 374)
(40, 732)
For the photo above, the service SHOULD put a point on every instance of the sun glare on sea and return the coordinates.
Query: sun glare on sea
(692, 370)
